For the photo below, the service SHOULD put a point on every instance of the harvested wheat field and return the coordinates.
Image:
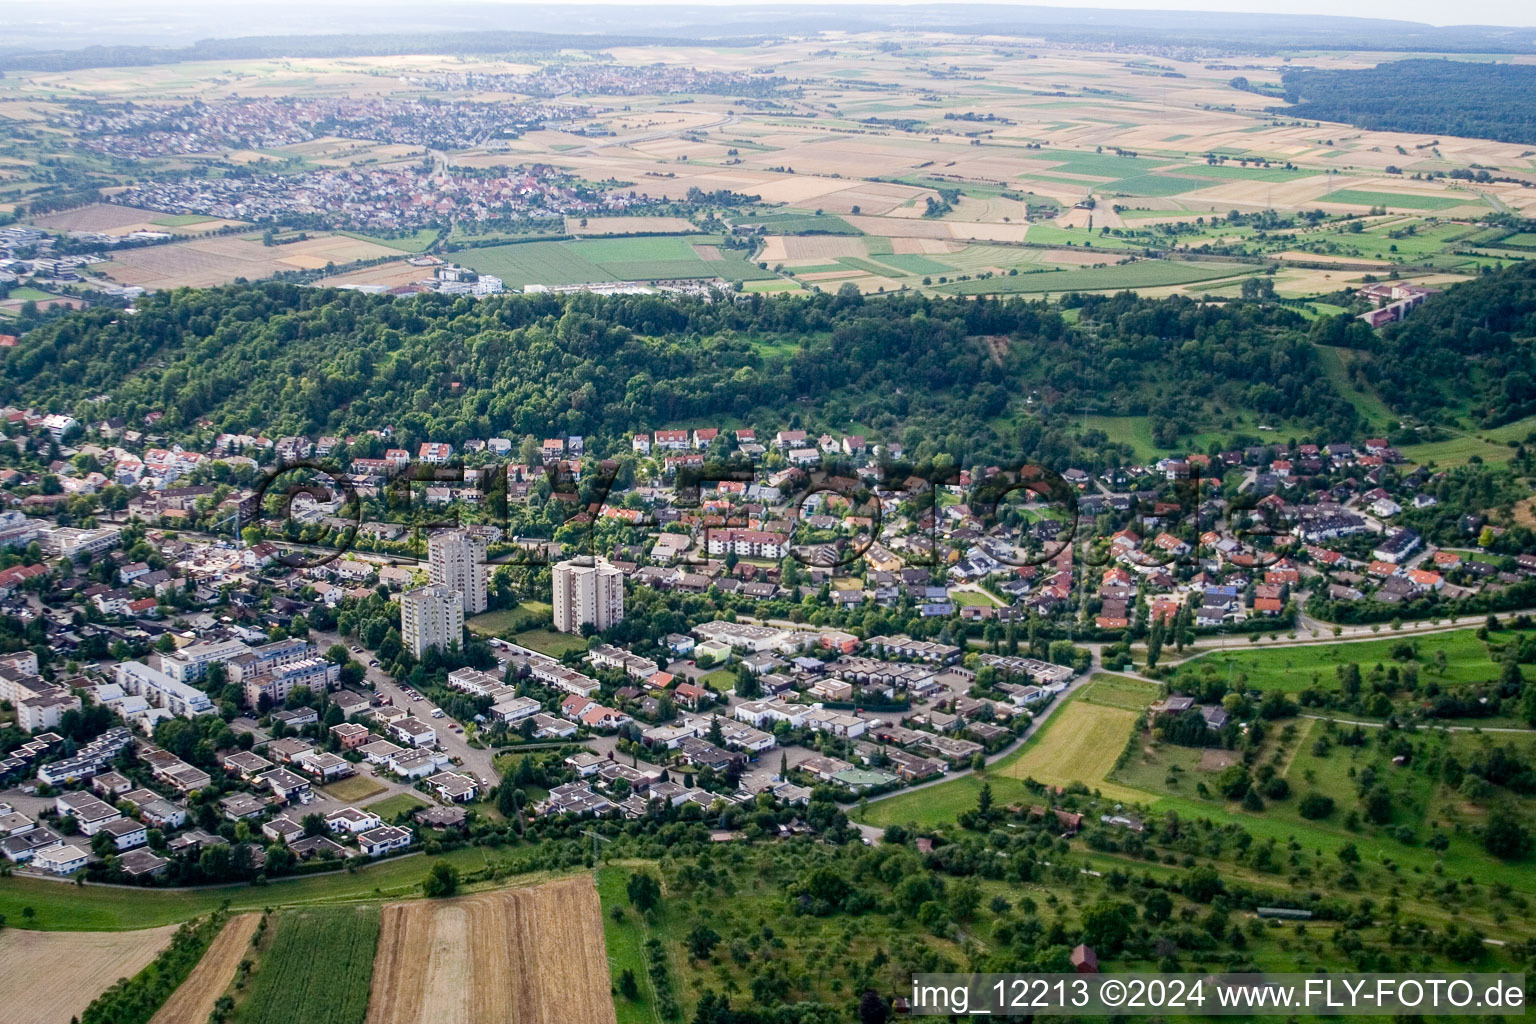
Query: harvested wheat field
(50, 977)
(521, 956)
(193, 1001)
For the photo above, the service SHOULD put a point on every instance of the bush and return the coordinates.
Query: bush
(442, 880)
(1315, 805)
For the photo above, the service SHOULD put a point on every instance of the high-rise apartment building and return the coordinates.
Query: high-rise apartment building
(587, 592)
(431, 616)
(456, 559)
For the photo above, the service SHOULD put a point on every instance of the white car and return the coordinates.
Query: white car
(437, 712)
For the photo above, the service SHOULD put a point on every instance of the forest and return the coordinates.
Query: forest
(1473, 99)
(980, 378)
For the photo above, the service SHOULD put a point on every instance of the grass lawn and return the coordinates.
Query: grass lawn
(972, 598)
(720, 680)
(353, 790)
(609, 259)
(1079, 743)
(506, 621)
(389, 807)
(62, 907)
(26, 293)
(547, 641)
(1291, 668)
(1119, 692)
(1135, 431)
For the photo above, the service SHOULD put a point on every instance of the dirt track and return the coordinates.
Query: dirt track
(521, 956)
(193, 1001)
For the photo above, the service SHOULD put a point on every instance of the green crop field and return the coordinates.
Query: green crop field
(1292, 668)
(547, 263)
(317, 968)
(1153, 185)
(1360, 197)
(1141, 274)
(596, 260)
(1098, 165)
(1237, 171)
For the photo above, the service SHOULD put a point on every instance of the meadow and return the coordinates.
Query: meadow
(105, 908)
(1295, 668)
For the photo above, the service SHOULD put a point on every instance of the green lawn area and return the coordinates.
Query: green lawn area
(720, 680)
(420, 241)
(1490, 445)
(1097, 165)
(317, 968)
(1291, 668)
(917, 264)
(547, 641)
(1135, 431)
(506, 621)
(104, 908)
(353, 790)
(1140, 274)
(972, 598)
(1399, 200)
(1119, 691)
(389, 807)
(27, 293)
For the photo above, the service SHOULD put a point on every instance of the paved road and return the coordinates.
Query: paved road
(477, 761)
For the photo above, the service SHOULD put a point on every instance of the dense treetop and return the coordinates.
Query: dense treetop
(1438, 97)
(982, 377)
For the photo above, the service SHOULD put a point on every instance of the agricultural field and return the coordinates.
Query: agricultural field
(51, 977)
(292, 982)
(527, 956)
(214, 261)
(609, 259)
(194, 999)
(1140, 274)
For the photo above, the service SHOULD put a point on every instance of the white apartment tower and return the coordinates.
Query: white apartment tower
(587, 592)
(431, 616)
(456, 559)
